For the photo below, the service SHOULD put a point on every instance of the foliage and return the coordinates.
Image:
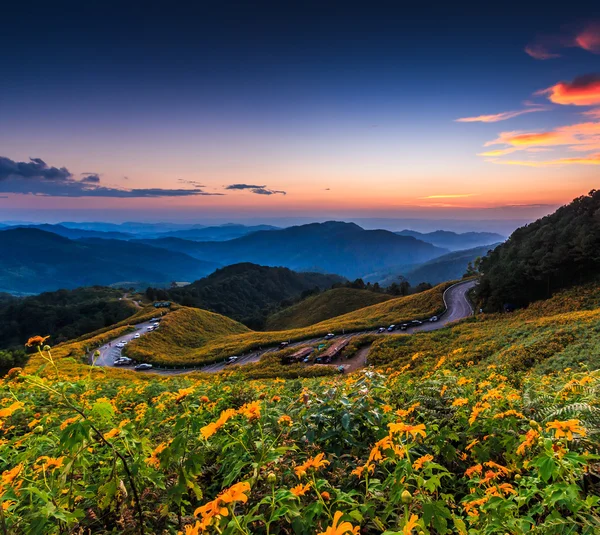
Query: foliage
(461, 449)
(66, 314)
(554, 252)
(247, 292)
(323, 306)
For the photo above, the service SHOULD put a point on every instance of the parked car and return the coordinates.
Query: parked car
(329, 336)
(283, 345)
(137, 335)
(155, 324)
(391, 328)
(416, 322)
(123, 361)
(404, 326)
(433, 318)
(143, 366)
(150, 328)
(120, 345)
(381, 330)
(231, 360)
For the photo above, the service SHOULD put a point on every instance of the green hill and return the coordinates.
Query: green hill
(66, 314)
(538, 259)
(249, 293)
(322, 307)
(183, 340)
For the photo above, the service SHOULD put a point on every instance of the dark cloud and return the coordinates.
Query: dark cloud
(244, 186)
(258, 190)
(37, 178)
(192, 183)
(265, 191)
(35, 168)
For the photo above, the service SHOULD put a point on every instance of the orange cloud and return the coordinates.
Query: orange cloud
(503, 116)
(586, 38)
(539, 51)
(582, 91)
(589, 38)
(592, 159)
(580, 134)
(595, 113)
(451, 196)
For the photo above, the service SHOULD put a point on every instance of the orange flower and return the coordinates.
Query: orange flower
(530, 437)
(275, 399)
(204, 399)
(412, 523)
(8, 411)
(153, 460)
(312, 462)
(236, 493)
(418, 464)
(414, 430)
(325, 495)
(251, 410)
(340, 529)
(36, 341)
(48, 463)
(459, 402)
(209, 430)
(300, 489)
(477, 469)
(285, 420)
(566, 428)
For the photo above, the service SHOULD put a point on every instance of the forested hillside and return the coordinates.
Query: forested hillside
(64, 314)
(247, 292)
(552, 253)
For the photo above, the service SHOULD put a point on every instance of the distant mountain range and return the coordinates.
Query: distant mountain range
(455, 241)
(33, 261)
(331, 247)
(220, 233)
(447, 267)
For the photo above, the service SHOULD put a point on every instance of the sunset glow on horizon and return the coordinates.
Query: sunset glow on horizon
(309, 111)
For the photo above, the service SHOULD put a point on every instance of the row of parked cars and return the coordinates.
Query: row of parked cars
(122, 360)
(404, 326)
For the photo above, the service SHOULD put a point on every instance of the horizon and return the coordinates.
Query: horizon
(288, 113)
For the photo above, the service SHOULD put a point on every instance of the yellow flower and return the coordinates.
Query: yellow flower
(111, 434)
(251, 410)
(530, 437)
(340, 529)
(48, 463)
(566, 428)
(68, 422)
(411, 524)
(418, 464)
(8, 411)
(182, 394)
(459, 402)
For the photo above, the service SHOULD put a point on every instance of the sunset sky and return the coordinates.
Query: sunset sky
(257, 110)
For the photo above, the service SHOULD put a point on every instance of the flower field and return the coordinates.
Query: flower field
(459, 448)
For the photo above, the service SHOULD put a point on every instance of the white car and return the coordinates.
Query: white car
(231, 360)
(143, 366)
(433, 318)
(137, 335)
(329, 336)
(150, 328)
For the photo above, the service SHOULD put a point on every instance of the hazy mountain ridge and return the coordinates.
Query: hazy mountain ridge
(33, 261)
(455, 241)
(332, 247)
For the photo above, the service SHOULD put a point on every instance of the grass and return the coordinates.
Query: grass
(562, 332)
(323, 306)
(192, 337)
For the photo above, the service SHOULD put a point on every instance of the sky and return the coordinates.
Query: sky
(255, 111)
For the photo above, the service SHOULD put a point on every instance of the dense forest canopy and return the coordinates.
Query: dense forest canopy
(64, 314)
(554, 252)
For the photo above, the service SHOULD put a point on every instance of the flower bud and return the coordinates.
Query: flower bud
(406, 497)
(271, 477)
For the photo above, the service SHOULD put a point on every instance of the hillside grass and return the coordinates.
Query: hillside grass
(323, 306)
(548, 336)
(194, 337)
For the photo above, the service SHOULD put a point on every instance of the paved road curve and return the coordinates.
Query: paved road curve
(455, 297)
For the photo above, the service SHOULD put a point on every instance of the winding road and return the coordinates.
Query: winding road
(455, 297)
